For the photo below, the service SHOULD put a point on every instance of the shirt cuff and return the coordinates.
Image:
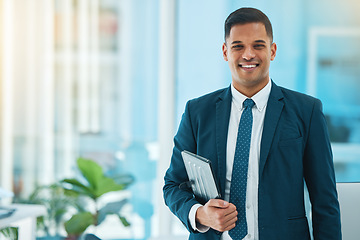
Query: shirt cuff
(195, 225)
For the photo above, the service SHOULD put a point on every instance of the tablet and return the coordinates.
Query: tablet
(201, 177)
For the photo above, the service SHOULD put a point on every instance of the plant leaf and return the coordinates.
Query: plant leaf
(91, 171)
(79, 222)
(78, 187)
(124, 221)
(74, 182)
(124, 179)
(106, 185)
(99, 184)
(10, 233)
(110, 208)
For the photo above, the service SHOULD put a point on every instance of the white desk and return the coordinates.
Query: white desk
(24, 218)
(349, 199)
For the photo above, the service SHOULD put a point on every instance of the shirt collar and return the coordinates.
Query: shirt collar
(260, 98)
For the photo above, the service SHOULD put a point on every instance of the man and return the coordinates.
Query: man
(284, 143)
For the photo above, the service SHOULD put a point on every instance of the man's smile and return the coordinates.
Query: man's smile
(248, 66)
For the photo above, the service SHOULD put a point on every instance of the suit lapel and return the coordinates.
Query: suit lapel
(223, 107)
(272, 116)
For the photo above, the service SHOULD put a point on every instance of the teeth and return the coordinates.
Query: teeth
(248, 66)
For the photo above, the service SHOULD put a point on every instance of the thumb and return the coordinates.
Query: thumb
(218, 203)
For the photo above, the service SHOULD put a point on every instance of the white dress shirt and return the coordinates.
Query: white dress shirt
(258, 111)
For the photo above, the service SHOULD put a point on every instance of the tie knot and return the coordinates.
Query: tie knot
(248, 103)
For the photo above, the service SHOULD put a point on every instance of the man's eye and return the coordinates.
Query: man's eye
(237, 46)
(259, 46)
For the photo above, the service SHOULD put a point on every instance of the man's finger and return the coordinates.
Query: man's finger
(218, 203)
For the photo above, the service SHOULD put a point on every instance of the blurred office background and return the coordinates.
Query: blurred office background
(108, 80)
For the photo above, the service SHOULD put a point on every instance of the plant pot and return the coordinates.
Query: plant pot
(51, 238)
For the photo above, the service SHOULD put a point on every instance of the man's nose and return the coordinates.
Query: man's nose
(248, 53)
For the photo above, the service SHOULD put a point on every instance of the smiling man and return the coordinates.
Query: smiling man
(249, 49)
(265, 142)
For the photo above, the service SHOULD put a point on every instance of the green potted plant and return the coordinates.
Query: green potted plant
(10, 233)
(92, 185)
(51, 225)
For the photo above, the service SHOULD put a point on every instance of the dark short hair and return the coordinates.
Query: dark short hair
(247, 15)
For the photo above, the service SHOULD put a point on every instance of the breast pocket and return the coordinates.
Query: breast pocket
(288, 142)
(290, 154)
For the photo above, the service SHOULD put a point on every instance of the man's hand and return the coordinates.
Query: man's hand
(217, 214)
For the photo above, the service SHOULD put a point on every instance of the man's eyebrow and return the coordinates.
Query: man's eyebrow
(257, 41)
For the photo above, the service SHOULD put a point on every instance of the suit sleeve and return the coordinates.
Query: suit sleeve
(320, 178)
(178, 200)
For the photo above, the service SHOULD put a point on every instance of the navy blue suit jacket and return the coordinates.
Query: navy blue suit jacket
(295, 147)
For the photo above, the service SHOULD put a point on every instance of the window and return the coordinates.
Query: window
(79, 78)
(334, 78)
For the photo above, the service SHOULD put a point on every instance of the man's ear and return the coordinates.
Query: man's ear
(224, 49)
(273, 49)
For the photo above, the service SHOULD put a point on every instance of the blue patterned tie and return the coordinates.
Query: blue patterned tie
(240, 170)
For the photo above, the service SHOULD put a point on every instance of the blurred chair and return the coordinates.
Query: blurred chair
(349, 200)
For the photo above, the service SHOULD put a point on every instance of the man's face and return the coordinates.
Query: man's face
(248, 50)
